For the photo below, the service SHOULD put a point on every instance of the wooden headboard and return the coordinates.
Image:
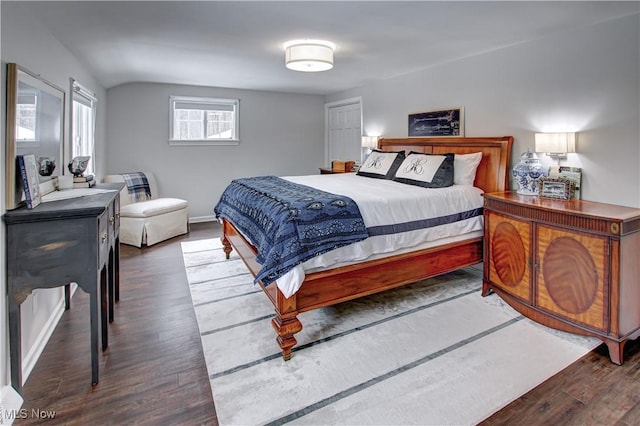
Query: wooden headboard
(493, 171)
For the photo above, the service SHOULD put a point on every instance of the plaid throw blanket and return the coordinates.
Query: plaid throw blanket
(138, 185)
(288, 222)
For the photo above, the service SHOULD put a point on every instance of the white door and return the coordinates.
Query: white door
(344, 131)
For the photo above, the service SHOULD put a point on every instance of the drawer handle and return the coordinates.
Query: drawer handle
(104, 237)
(112, 220)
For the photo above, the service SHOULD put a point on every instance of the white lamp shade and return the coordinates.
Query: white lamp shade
(309, 55)
(555, 143)
(370, 142)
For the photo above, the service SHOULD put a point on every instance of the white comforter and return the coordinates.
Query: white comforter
(385, 202)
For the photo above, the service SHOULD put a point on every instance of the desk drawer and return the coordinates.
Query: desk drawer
(103, 237)
(116, 214)
(113, 213)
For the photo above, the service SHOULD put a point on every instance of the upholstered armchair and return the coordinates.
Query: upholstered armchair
(151, 219)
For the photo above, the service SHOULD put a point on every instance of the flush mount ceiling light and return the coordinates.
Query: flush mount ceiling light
(309, 55)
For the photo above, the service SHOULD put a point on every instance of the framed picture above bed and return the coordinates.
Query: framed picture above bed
(444, 122)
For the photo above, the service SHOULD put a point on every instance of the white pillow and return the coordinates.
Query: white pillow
(465, 167)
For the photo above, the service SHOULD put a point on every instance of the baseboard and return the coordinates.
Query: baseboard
(31, 358)
(198, 219)
(10, 403)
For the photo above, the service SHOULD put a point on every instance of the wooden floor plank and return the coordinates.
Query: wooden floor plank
(154, 372)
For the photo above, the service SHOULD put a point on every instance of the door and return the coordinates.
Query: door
(344, 131)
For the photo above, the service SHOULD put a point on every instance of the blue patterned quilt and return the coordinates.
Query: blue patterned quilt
(287, 222)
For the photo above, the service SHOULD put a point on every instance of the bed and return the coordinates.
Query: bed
(326, 286)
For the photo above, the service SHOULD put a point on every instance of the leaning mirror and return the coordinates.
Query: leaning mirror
(35, 125)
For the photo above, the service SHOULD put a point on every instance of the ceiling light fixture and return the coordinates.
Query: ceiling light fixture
(309, 55)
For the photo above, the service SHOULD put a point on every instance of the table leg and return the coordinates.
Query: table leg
(111, 283)
(116, 265)
(15, 342)
(95, 320)
(67, 297)
(103, 284)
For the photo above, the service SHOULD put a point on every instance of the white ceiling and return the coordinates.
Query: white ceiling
(239, 43)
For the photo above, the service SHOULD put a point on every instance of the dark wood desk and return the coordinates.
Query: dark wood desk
(55, 244)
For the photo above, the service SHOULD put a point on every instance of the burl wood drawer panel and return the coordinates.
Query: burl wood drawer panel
(510, 254)
(572, 270)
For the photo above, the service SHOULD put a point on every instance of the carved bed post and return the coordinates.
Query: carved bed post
(226, 247)
(226, 244)
(286, 323)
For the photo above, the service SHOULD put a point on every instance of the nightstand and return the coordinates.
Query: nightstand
(572, 265)
(327, 171)
(338, 166)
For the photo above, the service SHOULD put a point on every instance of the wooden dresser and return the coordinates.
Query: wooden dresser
(57, 243)
(571, 265)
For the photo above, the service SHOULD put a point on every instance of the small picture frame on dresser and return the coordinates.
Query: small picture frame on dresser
(558, 188)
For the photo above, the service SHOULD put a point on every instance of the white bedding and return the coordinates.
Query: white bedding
(385, 202)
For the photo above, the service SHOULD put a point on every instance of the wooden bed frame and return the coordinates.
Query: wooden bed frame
(326, 288)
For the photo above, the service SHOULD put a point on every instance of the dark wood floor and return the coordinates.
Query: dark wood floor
(153, 372)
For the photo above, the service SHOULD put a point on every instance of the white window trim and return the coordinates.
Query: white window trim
(204, 99)
(83, 95)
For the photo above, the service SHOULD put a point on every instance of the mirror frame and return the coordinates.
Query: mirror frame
(13, 185)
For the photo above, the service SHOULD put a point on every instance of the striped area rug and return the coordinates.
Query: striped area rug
(434, 352)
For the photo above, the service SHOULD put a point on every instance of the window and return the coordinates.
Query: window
(83, 117)
(26, 119)
(203, 121)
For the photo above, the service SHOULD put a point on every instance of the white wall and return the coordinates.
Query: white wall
(586, 80)
(25, 42)
(280, 134)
